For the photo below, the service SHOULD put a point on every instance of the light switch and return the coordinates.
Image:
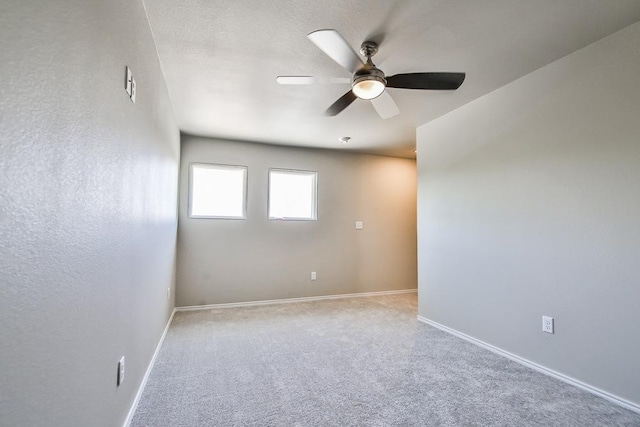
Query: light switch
(130, 85)
(359, 225)
(128, 79)
(120, 371)
(133, 90)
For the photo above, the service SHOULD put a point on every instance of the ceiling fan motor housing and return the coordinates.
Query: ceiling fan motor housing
(369, 81)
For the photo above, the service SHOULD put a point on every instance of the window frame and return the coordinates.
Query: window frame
(314, 196)
(218, 166)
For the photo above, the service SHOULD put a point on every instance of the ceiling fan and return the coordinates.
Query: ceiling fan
(368, 81)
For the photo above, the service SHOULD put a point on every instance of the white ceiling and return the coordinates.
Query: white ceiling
(221, 58)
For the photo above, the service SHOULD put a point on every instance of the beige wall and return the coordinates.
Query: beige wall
(529, 205)
(221, 261)
(88, 210)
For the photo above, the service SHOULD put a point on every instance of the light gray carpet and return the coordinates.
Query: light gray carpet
(351, 362)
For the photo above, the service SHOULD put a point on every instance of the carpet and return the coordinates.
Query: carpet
(361, 361)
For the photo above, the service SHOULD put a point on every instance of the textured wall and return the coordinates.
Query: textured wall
(88, 195)
(528, 204)
(223, 261)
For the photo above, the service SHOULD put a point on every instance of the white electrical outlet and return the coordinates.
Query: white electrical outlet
(547, 324)
(120, 371)
(313, 275)
(359, 225)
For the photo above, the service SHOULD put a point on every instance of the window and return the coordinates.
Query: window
(292, 194)
(217, 191)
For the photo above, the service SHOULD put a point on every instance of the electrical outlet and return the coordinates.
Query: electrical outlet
(313, 275)
(120, 371)
(547, 324)
(359, 225)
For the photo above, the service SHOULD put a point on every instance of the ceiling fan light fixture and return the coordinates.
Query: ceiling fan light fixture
(369, 83)
(368, 89)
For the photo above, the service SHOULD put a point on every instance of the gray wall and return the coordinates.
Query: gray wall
(222, 261)
(88, 206)
(529, 204)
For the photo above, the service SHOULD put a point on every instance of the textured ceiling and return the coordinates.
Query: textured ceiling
(221, 58)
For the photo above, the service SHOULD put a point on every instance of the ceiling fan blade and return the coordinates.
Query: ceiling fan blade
(295, 80)
(343, 102)
(385, 105)
(336, 48)
(432, 81)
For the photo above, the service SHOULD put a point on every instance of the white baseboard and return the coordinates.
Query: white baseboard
(143, 383)
(591, 389)
(290, 300)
